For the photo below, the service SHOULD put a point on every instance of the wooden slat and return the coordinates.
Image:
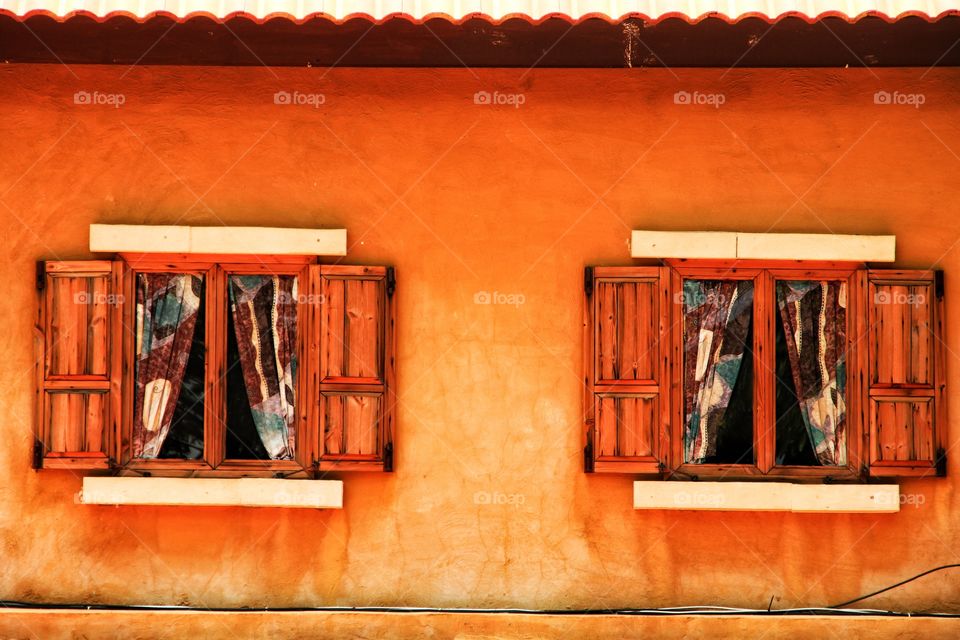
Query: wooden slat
(607, 318)
(333, 442)
(362, 344)
(92, 438)
(361, 424)
(606, 426)
(334, 328)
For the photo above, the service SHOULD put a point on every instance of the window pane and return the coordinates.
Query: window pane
(718, 371)
(261, 367)
(811, 373)
(169, 367)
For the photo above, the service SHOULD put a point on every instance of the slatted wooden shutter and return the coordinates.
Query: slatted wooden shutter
(625, 347)
(79, 364)
(356, 367)
(905, 383)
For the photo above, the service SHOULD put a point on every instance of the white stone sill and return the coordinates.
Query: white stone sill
(766, 496)
(726, 245)
(213, 492)
(133, 238)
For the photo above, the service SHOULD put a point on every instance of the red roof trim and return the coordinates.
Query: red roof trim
(472, 16)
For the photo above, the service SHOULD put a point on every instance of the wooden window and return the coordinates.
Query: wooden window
(763, 370)
(356, 338)
(626, 349)
(905, 404)
(78, 364)
(258, 340)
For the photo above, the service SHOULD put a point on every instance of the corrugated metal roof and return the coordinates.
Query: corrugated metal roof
(492, 10)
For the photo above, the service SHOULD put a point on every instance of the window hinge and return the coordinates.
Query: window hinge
(938, 284)
(391, 282)
(941, 462)
(588, 281)
(588, 456)
(388, 457)
(41, 274)
(37, 454)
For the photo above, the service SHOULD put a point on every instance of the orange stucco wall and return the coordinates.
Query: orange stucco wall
(465, 198)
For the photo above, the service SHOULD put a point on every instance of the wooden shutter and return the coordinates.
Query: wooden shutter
(79, 364)
(626, 341)
(905, 408)
(356, 367)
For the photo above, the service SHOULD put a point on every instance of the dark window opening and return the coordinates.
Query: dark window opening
(793, 440)
(243, 441)
(185, 438)
(735, 431)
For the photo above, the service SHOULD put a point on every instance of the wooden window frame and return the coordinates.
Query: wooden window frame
(215, 270)
(764, 275)
(866, 456)
(79, 435)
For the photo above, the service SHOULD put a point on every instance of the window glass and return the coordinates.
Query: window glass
(811, 373)
(718, 371)
(169, 367)
(261, 367)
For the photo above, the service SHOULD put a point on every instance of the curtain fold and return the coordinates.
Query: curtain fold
(717, 319)
(814, 320)
(264, 313)
(167, 306)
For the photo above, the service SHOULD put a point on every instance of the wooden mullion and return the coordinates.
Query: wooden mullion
(678, 408)
(854, 398)
(303, 450)
(215, 370)
(313, 366)
(859, 375)
(126, 343)
(764, 372)
(661, 439)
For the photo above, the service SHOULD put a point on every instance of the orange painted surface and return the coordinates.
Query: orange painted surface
(488, 506)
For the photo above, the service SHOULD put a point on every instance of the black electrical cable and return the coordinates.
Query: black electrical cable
(894, 586)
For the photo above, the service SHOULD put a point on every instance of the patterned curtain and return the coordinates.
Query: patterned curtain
(167, 306)
(814, 317)
(717, 315)
(264, 310)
